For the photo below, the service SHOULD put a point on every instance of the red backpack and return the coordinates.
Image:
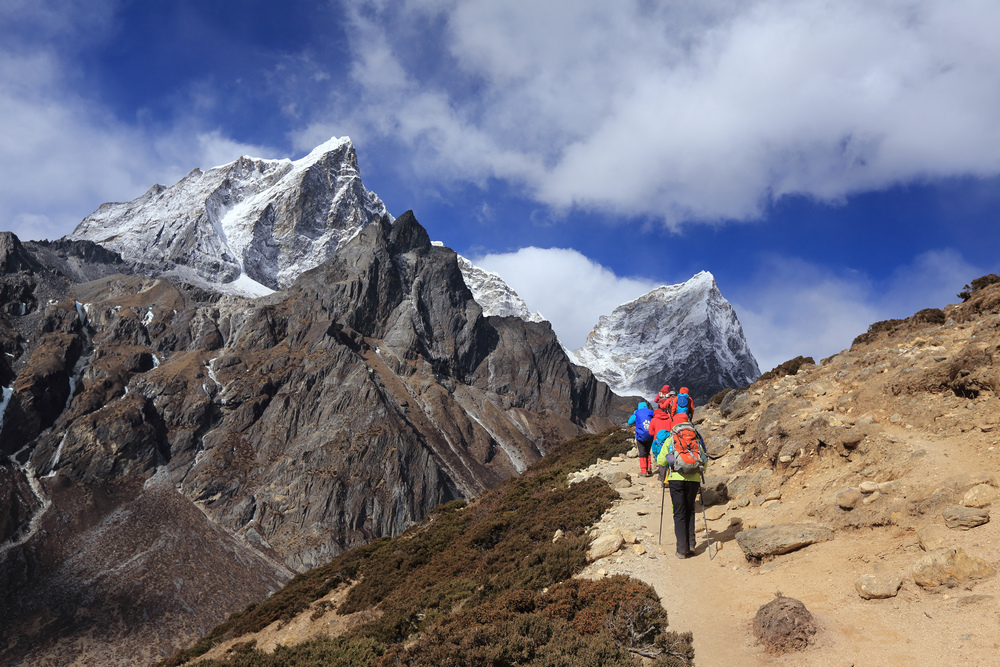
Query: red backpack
(687, 452)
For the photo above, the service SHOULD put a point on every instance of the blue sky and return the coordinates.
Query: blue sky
(832, 164)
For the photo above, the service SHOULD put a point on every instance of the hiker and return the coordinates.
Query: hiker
(683, 403)
(663, 393)
(682, 459)
(662, 420)
(641, 419)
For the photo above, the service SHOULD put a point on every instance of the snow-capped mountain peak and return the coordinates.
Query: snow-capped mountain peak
(493, 294)
(685, 334)
(250, 226)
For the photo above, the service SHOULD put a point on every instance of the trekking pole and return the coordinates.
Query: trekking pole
(663, 495)
(701, 491)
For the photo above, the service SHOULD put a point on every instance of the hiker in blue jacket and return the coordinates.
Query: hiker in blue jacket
(640, 419)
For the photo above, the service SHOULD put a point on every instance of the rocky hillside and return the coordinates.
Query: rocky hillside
(682, 335)
(171, 454)
(862, 486)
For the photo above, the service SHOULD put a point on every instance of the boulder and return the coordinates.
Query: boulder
(604, 546)
(950, 567)
(878, 586)
(932, 537)
(868, 487)
(714, 490)
(846, 500)
(628, 536)
(615, 476)
(779, 539)
(717, 446)
(715, 513)
(784, 624)
(980, 495)
(965, 518)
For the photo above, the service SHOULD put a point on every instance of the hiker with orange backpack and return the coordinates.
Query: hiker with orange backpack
(683, 458)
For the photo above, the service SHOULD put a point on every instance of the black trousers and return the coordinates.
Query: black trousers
(683, 495)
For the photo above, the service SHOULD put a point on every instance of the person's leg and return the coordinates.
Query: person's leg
(678, 498)
(643, 448)
(691, 491)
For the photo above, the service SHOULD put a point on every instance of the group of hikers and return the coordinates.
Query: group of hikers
(671, 448)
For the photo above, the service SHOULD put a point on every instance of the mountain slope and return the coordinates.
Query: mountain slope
(243, 225)
(686, 334)
(292, 426)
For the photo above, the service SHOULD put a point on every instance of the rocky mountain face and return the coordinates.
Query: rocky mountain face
(247, 227)
(685, 334)
(170, 453)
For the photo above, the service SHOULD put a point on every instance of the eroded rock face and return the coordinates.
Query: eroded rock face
(296, 425)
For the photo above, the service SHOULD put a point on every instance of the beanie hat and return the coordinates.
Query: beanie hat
(661, 436)
(684, 390)
(642, 405)
(665, 389)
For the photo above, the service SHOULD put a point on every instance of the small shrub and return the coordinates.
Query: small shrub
(930, 316)
(978, 284)
(875, 329)
(717, 399)
(790, 367)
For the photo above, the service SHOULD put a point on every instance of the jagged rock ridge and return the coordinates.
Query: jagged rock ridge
(686, 334)
(244, 225)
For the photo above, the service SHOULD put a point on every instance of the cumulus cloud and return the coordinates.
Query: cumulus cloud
(566, 287)
(62, 152)
(684, 110)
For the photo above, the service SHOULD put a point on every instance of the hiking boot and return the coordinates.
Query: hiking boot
(680, 555)
(690, 553)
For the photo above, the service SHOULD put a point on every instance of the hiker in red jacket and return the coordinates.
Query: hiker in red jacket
(662, 420)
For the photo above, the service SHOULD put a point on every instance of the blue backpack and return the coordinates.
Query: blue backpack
(642, 416)
(684, 404)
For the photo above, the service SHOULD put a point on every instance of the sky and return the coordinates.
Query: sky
(831, 163)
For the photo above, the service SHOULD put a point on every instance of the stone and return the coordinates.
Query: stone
(965, 518)
(638, 549)
(633, 453)
(628, 536)
(932, 536)
(743, 502)
(604, 546)
(612, 477)
(629, 494)
(846, 500)
(773, 495)
(785, 459)
(950, 567)
(868, 500)
(885, 487)
(618, 459)
(714, 490)
(717, 446)
(965, 481)
(980, 495)
(558, 536)
(623, 484)
(780, 539)
(878, 586)
(868, 487)
(735, 521)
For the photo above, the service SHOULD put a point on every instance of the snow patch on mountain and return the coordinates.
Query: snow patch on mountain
(251, 226)
(493, 295)
(686, 334)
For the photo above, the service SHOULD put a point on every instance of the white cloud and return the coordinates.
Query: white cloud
(567, 288)
(792, 307)
(691, 110)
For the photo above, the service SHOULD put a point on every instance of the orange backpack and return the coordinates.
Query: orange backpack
(687, 452)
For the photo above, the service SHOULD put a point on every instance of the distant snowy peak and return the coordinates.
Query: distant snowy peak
(494, 295)
(249, 226)
(686, 334)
